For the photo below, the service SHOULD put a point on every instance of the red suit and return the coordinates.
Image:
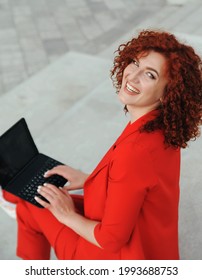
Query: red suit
(133, 193)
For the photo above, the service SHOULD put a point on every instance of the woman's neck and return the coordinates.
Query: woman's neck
(136, 113)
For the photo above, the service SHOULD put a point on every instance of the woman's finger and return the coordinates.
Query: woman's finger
(50, 188)
(59, 170)
(48, 192)
(42, 202)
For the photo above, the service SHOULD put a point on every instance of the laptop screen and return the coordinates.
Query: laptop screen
(17, 149)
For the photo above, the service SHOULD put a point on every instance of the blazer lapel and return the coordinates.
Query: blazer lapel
(135, 126)
(104, 161)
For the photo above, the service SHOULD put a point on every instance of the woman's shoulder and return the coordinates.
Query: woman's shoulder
(139, 143)
(144, 144)
(151, 139)
(152, 142)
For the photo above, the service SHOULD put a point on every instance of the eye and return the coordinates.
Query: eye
(151, 76)
(135, 62)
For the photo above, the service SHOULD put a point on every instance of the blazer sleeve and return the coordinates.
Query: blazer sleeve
(131, 177)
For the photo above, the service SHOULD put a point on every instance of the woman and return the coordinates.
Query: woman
(130, 205)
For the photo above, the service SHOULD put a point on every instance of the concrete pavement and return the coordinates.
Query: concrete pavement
(33, 33)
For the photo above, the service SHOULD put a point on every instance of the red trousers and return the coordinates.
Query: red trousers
(39, 230)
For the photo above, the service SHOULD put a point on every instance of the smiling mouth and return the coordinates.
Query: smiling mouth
(132, 89)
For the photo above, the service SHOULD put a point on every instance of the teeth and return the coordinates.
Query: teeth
(131, 89)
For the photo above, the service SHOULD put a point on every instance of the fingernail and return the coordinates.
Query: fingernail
(45, 184)
(45, 174)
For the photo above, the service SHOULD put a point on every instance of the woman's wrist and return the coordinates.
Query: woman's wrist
(83, 178)
(82, 226)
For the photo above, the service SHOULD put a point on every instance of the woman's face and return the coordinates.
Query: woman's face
(143, 83)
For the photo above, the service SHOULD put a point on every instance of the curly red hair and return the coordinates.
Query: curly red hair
(180, 113)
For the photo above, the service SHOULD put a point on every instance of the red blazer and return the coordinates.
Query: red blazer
(134, 194)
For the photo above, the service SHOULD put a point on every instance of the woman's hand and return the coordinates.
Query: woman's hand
(60, 203)
(76, 178)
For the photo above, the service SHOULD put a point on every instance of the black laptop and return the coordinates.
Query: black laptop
(22, 167)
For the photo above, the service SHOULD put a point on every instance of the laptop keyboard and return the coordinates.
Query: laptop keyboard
(30, 190)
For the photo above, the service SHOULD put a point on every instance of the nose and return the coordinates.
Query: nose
(134, 75)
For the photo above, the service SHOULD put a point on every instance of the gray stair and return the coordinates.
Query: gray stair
(54, 90)
(172, 18)
(82, 135)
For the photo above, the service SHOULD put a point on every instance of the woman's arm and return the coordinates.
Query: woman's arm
(131, 178)
(62, 207)
(83, 226)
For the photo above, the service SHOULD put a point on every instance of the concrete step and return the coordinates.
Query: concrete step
(54, 90)
(172, 18)
(192, 22)
(150, 22)
(82, 135)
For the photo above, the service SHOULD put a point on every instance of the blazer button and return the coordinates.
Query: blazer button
(114, 147)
